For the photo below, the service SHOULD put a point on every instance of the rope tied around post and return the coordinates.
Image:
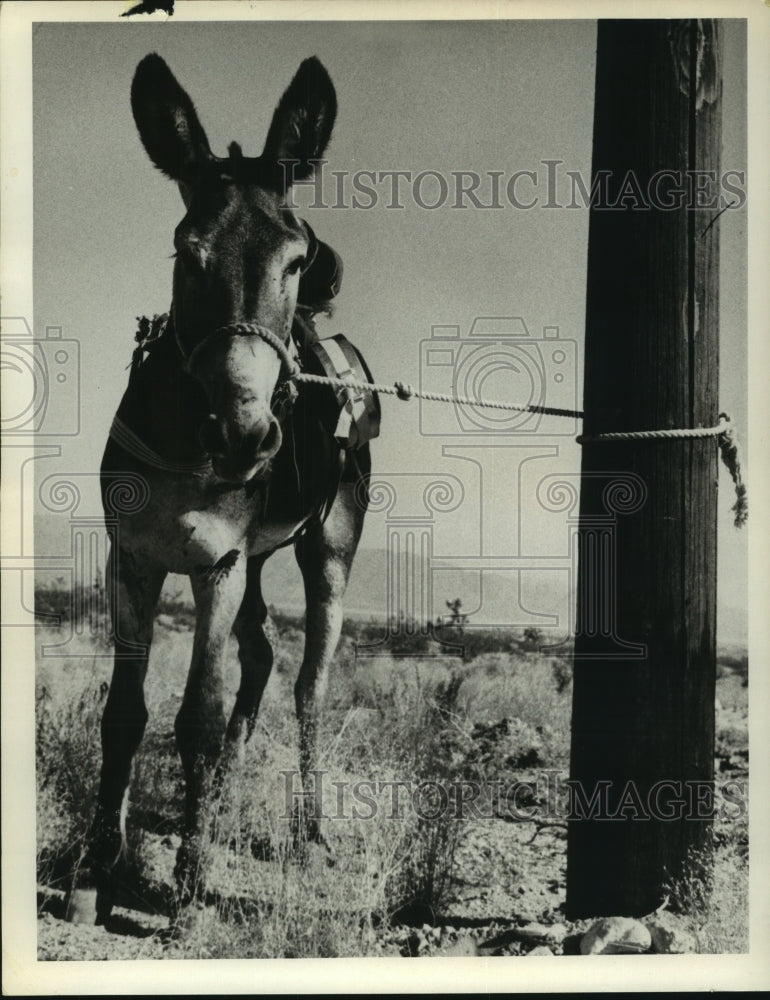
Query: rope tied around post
(729, 449)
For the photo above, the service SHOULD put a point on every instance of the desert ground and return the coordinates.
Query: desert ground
(413, 877)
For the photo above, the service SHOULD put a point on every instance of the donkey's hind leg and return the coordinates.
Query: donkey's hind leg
(256, 657)
(133, 588)
(325, 554)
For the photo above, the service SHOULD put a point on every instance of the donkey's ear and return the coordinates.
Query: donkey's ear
(167, 122)
(303, 121)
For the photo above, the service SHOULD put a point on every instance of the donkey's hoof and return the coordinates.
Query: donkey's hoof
(190, 875)
(87, 906)
(81, 907)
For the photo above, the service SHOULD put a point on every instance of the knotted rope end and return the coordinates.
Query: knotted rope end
(731, 456)
(741, 506)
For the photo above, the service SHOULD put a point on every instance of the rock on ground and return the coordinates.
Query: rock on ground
(616, 936)
(669, 935)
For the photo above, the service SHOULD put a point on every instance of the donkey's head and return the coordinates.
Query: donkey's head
(239, 251)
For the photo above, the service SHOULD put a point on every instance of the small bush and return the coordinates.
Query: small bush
(68, 756)
(84, 609)
(562, 673)
(713, 894)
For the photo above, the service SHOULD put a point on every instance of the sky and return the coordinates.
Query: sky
(440, 97)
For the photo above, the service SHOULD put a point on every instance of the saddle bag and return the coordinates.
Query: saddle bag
(359, 416)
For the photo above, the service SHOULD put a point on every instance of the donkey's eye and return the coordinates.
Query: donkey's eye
(295, 265)
(190, 250)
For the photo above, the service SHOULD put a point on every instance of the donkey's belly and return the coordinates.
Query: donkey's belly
(190, 523)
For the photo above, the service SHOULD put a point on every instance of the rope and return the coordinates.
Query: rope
(724, 430)
(404, 391)
(684, 432)
(288, 363)
(731, 456)
(728, 447)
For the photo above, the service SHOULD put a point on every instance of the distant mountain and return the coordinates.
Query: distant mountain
(541, 598)
(367, 588)
(489, 598)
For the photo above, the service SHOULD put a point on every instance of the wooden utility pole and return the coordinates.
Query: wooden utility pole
(645, 651)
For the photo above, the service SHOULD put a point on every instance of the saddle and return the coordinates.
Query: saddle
(358, 420)
(320, 282)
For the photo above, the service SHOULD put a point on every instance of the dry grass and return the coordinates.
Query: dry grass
(715, 905)
(421, 719)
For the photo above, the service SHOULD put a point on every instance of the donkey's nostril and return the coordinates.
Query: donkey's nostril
(237, 453)
(271, 442)
(212, 437)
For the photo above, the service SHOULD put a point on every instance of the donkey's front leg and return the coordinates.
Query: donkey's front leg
(325, 554)
(200, 724)
(133, 589)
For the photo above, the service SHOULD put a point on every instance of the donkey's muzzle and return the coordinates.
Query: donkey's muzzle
(238, 454)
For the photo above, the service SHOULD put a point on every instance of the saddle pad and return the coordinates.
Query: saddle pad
(359, 418)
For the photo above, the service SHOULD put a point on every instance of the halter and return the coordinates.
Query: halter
(344, 371)
(289, 367)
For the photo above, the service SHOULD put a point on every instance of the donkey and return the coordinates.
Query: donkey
(235, 463)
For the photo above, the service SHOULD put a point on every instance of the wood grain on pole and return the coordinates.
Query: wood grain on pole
(651, 361)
